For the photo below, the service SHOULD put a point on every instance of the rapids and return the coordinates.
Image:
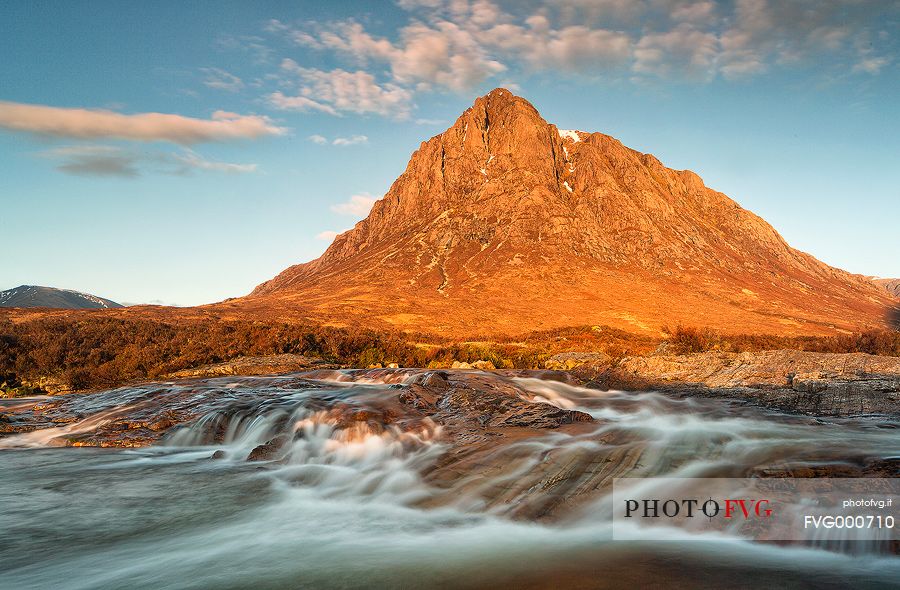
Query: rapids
(350, 489)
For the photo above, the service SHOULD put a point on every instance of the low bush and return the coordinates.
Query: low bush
(88, 352)
(686, 340)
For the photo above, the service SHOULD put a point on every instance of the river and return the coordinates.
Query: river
(400, 505)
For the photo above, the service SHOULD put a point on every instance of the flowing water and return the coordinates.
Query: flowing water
(368, 506)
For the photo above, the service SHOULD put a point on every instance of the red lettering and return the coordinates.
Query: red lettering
(730, 505)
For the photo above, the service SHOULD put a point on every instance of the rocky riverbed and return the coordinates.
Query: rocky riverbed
(399, 478)
(810, 383)
(477, 412)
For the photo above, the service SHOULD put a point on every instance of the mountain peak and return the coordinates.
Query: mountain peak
(529, 227)
(500, 97)
(495, 124)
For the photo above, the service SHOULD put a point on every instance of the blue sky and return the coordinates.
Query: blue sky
(184, 152)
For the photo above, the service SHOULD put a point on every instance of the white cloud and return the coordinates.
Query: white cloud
(352, 140)
(350, 38)
(444, 54)
(763, 34)
(577, 48)
(590, 11)
(294, 35)
(871, 65)
(357, 206)
(101, 124)
(299, 103)
(698, 13)
(222, 80)
(484, 13)
(683, 51)
(339, 91)
(461, 44)
(339, 141)
(190, 160)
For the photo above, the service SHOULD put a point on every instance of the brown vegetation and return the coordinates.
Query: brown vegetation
(86, 352)
(687, 340)
(92, 351)
(97, 352)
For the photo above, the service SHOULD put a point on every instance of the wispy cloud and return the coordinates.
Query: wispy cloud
(188, 161)
(352, 140)
(356, 206)
(339, 141)
(95, 160)
(102, 124)
(221, 80)
(871, 65)
(683, 51)
(117, 162)
(252, 45)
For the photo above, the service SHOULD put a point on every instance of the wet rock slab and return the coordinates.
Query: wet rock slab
(136, 416)
(143, 415)
(485, 400)
(814, 383)
(256, 365)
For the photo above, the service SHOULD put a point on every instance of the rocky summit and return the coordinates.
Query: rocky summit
(504, 224)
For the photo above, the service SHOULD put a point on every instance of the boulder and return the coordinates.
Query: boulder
(269, 450)
(484, 365)
(569, 360)
(494, 407)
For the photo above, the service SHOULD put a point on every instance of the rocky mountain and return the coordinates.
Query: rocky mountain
(892, 285)
(505, 224)
(33, 296)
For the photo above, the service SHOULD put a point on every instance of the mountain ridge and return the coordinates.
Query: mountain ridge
(891, 285)
(54, 298)
(505, 223)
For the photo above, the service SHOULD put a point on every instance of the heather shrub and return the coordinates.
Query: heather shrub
(87, 351)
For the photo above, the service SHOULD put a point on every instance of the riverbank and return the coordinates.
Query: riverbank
(824, 384)
(55, 352)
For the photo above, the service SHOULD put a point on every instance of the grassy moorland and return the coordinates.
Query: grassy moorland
(90, 352)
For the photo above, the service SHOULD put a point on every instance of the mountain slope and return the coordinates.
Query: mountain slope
(505, 224)
(33, 296)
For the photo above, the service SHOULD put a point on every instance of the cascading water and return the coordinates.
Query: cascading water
(344, 489)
